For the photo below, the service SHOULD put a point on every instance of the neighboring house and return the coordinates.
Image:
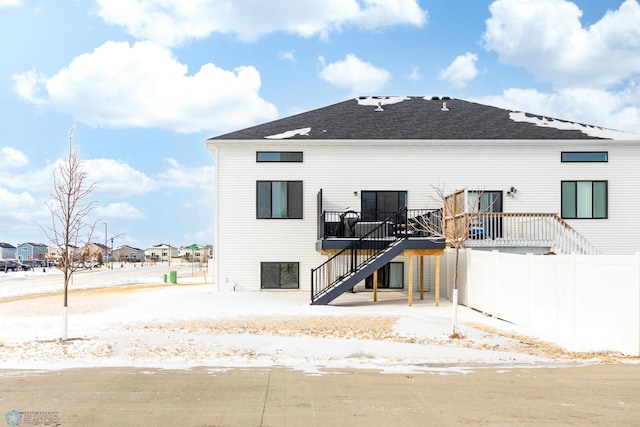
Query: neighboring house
(161, 253)
(127, 253)
(284, 189)
(195, 253)
(7, 251)
(97, 252)
(30, 251)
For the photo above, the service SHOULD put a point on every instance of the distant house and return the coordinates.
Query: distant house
(126, 253)
(55, 253)
(97, 251)
(30, 251)
(161, 252)
(301, 194)
(7, 251)
(196, 253)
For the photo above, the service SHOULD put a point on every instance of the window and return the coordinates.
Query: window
(584, 199)
(279, 199)
(279, 156)
(279, 275)
(584, 156)
(391, 276)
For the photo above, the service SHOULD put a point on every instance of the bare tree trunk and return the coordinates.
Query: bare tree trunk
(455, 333)
(70, 229)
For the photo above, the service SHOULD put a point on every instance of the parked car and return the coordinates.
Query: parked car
(31, 263)
(3, 265)
(91, 264)
(12, 265)
(23, 266)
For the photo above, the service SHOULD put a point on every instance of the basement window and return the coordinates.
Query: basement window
(279, 275)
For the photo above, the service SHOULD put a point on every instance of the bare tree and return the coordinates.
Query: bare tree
(71, 230)
(457, 222)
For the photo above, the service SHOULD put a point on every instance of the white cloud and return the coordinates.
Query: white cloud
(16, 205)
(287, 55)
(121, 210)
(13, 177)
(181, 176)
(461, 71)
(360, 77)
(11, 158)
(26, 85)
(144, 86)
(10, 3)
(114, 178)
(547, 38)
(172, 22)
(415, 74)
(615, 110)
(19, 210)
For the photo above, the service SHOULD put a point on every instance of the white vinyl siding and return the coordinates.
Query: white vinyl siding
(341, 168)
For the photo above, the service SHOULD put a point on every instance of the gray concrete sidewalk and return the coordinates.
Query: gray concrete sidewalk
(592, 395)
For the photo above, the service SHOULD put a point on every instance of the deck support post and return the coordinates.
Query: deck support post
(375, 286)
(437, 280)
(421, 277)
(410, 281)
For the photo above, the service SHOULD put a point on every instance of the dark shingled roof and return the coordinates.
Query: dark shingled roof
(412, 118)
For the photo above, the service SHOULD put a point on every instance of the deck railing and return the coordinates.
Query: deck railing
(352, 224)
(486, 230)
(543, 230)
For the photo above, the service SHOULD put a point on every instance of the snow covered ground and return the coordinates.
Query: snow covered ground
(131, 317)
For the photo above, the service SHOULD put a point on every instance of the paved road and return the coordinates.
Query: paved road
(38, 282)
(592, 395)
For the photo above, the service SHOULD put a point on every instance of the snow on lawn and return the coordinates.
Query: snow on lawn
(187, 325)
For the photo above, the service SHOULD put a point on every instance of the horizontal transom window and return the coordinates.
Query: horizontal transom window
(584, 156)
(279, 156)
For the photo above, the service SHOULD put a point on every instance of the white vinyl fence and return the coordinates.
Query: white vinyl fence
(584, 302)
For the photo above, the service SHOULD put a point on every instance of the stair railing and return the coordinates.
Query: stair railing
(346, 262)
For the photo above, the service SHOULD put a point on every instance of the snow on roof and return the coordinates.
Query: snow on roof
(380, 100)
(598, 132)
(290, 133)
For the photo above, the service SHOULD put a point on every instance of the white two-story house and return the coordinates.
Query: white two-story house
(294, 192)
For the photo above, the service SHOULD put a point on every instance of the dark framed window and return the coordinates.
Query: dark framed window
(378, 205)
(279, 156)
(584, 156)
(391, 276)
(279, 199)
(584, 199)
(279, 275)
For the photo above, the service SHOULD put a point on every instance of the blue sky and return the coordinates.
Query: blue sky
(145, 82)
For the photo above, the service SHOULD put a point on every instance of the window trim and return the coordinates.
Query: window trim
(565, 156)
(280, 160)
(289, 202)
(263, 264)
(593, 199)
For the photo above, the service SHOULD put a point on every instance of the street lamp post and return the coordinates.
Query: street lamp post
(106, 248)
(111, 257)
